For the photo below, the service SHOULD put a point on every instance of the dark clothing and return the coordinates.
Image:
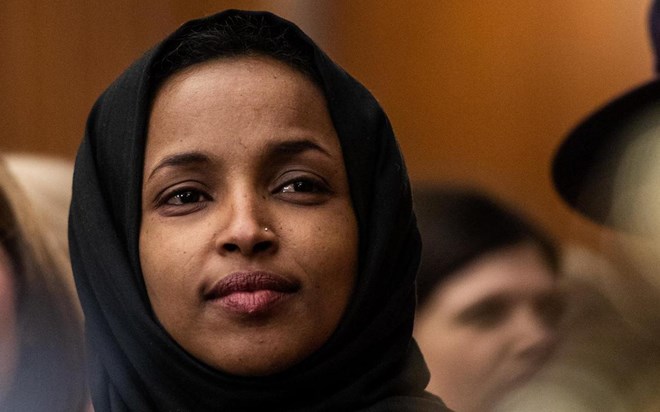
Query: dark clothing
(370, 363)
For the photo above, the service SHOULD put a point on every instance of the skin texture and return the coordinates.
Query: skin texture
(243, 172)
(489, 327)
(8, 327)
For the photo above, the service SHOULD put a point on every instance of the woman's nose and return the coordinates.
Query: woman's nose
(535, 338)
(245, 229)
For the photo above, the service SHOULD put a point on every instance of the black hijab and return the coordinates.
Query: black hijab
(370, 363)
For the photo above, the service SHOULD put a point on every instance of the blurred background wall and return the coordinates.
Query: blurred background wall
(479, 92)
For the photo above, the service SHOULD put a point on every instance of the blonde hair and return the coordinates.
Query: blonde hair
(50, 371)
(45, 182)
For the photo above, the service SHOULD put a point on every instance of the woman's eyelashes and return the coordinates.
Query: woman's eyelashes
(180, 200)
(306, 189)
(186, 196)
(300, 186)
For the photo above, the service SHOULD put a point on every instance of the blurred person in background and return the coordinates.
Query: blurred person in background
(488, 297)
(41, 349)
(46, 181)
(607, 169)
(609, 355)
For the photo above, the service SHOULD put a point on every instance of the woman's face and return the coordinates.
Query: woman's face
(8, 328)
(248, 242)
(489, 327)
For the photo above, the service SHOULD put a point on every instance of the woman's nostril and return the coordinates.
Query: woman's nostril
(230, 247)
(262, 246)
(256, 248)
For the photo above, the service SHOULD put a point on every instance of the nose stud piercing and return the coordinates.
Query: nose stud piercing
(265, 229)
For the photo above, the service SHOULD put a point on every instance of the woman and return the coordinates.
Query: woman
(41, 356)
(488, 297)
(241, 231)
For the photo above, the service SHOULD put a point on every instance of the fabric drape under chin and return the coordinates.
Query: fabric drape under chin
(370, 363)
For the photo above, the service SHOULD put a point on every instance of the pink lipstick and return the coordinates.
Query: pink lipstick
(251, 293)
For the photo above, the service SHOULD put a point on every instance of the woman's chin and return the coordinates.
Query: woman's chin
(255, 365)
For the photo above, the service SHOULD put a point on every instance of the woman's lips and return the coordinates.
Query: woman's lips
(251, 293)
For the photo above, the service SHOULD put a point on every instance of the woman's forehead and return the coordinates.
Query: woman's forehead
(253, 110)
(519, 272)
(265, 75)
(247, 87)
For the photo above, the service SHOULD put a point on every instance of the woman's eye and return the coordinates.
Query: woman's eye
(304, 190)
(180, 201)
(186, 196)
(300, 186)
(485, 315)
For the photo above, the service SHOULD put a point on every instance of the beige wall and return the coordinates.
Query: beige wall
(478, 91)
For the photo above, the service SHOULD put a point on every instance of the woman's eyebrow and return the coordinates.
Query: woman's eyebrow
(181, 159)
(484, 304)
(293, 147)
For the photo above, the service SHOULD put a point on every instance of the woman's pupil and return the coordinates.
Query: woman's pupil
(303, 186)
(187, 197)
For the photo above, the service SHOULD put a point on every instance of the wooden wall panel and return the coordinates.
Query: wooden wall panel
(483, 91)
(58, 56)
(478, 91)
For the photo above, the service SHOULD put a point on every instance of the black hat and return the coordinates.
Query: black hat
(606, 168)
